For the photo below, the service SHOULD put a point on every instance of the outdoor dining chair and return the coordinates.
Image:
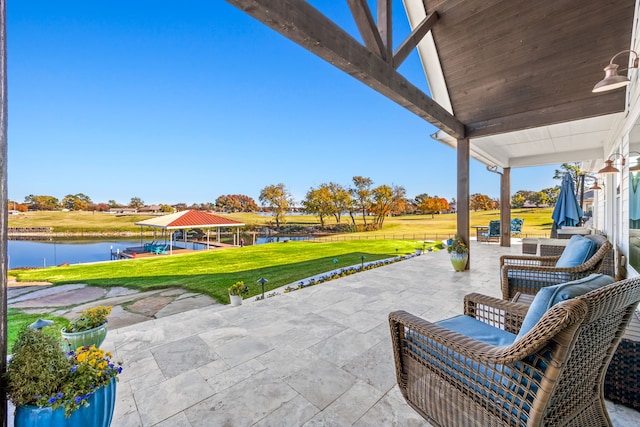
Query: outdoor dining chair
(516, 226)
(503, 363)
(493, 231)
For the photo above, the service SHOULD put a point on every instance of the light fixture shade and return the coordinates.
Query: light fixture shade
(595, 186)
(635, 167)
(608, 168)
(611, 80)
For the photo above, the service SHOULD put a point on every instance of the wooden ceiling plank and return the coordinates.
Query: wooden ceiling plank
(607, 103)
(367, 27)
(414, 38)
(300, 22)
(506, 57)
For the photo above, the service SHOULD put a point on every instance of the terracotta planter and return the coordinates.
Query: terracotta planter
(236, 300)
(459, 261)
(73, 340)
(99, 413)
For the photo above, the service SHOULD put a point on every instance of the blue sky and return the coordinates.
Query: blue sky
(186, 101)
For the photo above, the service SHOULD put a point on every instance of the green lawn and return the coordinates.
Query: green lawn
(16, 320)
(212, 272)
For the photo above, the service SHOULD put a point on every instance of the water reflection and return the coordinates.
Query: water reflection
(47, 253)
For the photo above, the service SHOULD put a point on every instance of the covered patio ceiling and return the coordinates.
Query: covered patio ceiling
(512, 76)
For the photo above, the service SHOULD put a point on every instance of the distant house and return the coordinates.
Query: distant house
(150, 209)
(123, 211)
(529, 204)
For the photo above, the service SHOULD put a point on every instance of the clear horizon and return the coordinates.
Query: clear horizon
(182, 104)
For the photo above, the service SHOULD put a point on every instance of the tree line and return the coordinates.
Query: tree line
(328, 200)
(361, 198)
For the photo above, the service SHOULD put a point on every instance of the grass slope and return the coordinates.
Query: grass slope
(211, 272)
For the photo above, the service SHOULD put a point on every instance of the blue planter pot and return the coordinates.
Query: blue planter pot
(99, 413)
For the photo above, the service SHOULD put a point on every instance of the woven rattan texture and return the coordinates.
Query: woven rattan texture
(529, 274)
(553, 375)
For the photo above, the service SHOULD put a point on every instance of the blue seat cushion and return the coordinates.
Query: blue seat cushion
(551, 295)
(578, 251)
(474, 328)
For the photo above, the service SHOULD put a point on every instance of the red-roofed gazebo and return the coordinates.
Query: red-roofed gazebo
(188, 220)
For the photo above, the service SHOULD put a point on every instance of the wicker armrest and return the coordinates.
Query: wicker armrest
(439, 338)
(496, 312)
(443, 340)
(530, 260)
(412, 334)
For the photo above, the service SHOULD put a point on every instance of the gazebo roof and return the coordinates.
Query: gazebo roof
(189, 219)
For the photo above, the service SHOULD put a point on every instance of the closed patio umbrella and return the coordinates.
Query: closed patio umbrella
(567, 211)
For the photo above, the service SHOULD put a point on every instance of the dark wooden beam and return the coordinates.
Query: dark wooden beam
(505, 207)
(462, 210)
(598, 105)
(414, 38)
(367, 27)
(385, 26)
(300, 22)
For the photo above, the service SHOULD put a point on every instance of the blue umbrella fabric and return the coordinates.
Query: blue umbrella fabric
(567, 211)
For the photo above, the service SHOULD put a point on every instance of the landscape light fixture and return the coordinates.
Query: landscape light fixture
(611, 78)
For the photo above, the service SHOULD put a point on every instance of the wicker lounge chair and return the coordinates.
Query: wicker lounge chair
(551, 375)
(528, 274)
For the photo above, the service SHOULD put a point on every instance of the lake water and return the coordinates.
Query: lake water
(31, 253)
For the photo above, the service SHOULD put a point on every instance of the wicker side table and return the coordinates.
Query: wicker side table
(622, 382)
(529, 246)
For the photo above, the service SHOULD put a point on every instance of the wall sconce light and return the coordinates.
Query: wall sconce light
(611, 78)
(595, 186)
(608, 164)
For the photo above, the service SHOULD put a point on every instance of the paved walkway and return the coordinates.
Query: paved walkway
(320, 356)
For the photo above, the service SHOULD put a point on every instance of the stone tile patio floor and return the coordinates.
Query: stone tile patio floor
(320, 356)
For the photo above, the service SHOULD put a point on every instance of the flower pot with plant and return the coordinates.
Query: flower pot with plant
(88, 329)
(458, 253)
(52, 388)
(236, 291)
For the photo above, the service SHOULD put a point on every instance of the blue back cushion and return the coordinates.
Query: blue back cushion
(578, 251)
(551, 295)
